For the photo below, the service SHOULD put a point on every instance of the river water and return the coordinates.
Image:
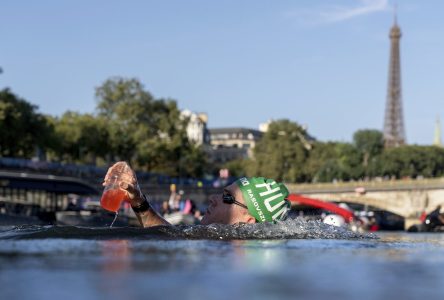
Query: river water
(305, 260)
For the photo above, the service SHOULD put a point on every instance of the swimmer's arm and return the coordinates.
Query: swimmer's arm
(145, 213)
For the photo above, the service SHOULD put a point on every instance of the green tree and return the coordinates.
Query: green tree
(370, 143)
(237, 167)
(81, 137)
(333, 161)
(320, 155)
(126, 106)
(148, 132)
(349, 160)
(22, 128)
(281, 154)
(413, 161)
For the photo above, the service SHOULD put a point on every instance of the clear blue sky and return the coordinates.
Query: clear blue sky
(319, 63)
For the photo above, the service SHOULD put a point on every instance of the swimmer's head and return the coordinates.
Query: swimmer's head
(265, 198)
(248, 200)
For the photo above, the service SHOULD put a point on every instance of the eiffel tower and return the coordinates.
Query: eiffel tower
(394, 133)
(437, 139)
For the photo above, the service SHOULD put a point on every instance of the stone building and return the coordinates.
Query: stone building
(232, 143)
(197, 127)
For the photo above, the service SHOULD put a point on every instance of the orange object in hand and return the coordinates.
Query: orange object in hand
(112, 199)
(113, 195)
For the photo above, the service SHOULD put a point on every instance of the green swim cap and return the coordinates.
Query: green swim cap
(265, 199)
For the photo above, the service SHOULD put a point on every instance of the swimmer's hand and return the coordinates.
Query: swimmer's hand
(126, 179)
(123, 176)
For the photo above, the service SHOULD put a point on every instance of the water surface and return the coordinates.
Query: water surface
(308, 261)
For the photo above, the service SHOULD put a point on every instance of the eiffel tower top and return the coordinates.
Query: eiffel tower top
(395, 32)
(437, 138)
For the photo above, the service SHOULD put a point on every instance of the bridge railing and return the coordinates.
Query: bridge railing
(403, 184)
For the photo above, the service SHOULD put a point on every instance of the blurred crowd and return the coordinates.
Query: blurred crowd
(179, 205)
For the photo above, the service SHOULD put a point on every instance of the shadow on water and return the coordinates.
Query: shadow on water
(291, 229)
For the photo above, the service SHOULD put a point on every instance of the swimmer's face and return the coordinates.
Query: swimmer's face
(224, 213)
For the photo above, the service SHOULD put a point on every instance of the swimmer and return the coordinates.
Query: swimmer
(247, 200)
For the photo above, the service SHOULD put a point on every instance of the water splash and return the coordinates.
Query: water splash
(298, 228)
(290, 229)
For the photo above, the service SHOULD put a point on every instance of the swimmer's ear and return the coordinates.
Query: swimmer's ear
(250, 219)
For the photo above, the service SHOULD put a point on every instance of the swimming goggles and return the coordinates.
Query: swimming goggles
(229, 199)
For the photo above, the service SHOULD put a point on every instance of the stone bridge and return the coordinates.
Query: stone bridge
(406, 198)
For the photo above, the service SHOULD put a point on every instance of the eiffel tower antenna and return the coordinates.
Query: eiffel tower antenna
(395, 12)
(394, 133)
(437, 139)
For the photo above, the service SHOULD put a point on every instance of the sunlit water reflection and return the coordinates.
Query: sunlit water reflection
(327, 263)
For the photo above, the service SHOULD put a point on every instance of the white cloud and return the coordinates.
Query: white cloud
(334, 14)
(365, 7)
